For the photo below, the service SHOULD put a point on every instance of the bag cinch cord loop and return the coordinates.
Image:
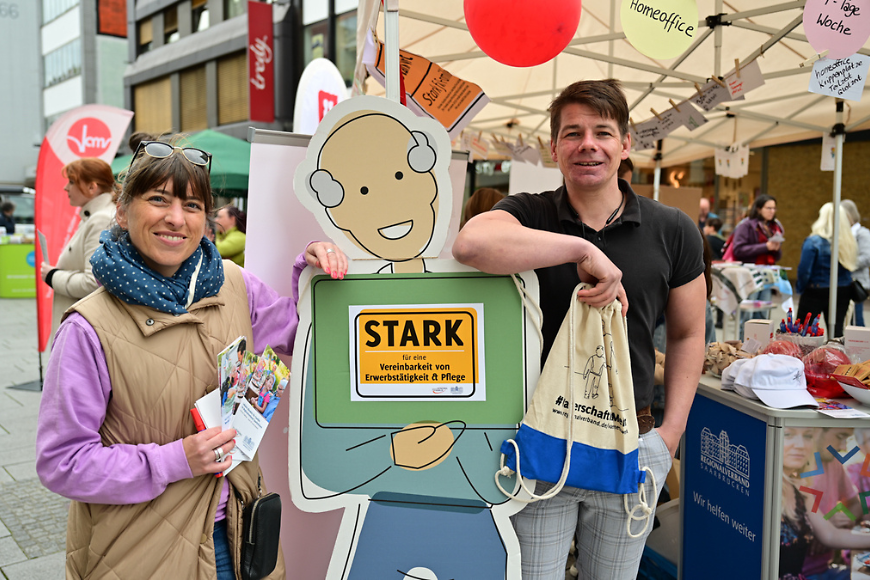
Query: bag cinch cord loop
(643, 505)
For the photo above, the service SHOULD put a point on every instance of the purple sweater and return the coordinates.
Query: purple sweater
(70, 457)
(747, 247)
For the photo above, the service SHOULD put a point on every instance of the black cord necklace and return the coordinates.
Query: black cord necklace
(616, 211)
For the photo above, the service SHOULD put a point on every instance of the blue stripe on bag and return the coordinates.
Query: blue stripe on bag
(542, 457)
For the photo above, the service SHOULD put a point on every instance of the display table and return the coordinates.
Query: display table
(17, 271)
(732, 481)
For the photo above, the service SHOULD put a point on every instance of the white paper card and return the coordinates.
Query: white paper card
(842, 78)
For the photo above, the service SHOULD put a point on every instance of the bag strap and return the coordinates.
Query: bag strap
(569, 441)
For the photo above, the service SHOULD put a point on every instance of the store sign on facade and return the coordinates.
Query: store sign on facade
(261, 66)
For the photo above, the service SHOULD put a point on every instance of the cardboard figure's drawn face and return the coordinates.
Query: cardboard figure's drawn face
(390, 196)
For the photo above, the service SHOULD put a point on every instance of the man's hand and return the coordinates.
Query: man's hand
(596, 268)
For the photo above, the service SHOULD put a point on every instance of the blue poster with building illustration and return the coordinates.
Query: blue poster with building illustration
(723, 493)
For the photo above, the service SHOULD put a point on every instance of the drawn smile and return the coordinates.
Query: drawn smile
(397, 231)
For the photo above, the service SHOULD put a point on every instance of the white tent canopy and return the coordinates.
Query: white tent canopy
(780, 111)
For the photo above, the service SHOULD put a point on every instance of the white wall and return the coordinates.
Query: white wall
(62, 96)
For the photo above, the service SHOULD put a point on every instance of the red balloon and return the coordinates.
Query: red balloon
(522, 32)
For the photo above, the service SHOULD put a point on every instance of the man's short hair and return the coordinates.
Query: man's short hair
(604, 97)
(714, 223)
(7, 207)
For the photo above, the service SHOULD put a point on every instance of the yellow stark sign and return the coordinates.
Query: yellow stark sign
(417, 351)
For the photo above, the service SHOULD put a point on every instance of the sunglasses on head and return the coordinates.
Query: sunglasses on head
(161, 150)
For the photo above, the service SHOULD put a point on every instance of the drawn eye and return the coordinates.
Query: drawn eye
(399, 175)
(364, 190)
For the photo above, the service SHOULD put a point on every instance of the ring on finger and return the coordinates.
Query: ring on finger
(330, 251)
(218, 454)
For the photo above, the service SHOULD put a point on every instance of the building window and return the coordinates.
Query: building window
(315, 39)
(63, 63)
(232, 80)
(345, 45)
(199, 15)
(233, 8)
(170, 25)
(51, 9)
(152, 103)
(146, 36)
(193, 99)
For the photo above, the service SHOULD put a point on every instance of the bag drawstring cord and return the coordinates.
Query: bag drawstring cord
(569, 441)
(642, 505)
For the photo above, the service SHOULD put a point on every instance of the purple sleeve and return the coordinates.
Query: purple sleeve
(746, 246)
(273, 317)
(71, 459)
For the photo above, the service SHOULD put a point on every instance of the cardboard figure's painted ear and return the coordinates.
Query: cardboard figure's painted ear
(421, 155)
(329, 192)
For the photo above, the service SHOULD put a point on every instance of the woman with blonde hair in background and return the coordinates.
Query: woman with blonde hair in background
(861, 273)
(91, 186)
(814, 269)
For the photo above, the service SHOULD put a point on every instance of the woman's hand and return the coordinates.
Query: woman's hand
(44, 269)
(328, 257)
(773, 246)
(200, 450)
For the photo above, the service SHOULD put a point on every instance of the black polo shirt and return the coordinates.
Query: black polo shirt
(655, 246)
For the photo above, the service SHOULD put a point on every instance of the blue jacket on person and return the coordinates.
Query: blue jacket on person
(814, 270)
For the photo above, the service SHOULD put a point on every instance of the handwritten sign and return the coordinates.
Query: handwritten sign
(660, 28)
(525, 152)
(839, 26)
(732, 162)
(417, 352)
(750, 78)
(842, 78)
(690, 116)
(712, 94)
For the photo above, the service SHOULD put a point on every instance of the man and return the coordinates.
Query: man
(703, 212)
(648, 256)
(7, 221)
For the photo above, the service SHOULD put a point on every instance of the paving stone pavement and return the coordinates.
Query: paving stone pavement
(32, 519)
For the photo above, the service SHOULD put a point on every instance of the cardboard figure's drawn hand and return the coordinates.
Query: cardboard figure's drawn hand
(423, 445)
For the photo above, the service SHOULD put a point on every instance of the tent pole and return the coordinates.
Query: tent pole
(717, 44)
(835, 243)
(391, 48)
(657, 175)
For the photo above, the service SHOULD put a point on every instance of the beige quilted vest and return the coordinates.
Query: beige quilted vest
(160, 364)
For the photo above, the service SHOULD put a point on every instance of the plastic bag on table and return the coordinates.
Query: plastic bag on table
(819, 365)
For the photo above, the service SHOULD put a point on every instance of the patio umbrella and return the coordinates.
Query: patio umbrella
(229, 166)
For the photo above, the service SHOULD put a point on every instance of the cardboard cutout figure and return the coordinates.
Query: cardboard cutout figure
(412, 370)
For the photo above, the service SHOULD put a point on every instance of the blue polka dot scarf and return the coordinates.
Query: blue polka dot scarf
(120, 268)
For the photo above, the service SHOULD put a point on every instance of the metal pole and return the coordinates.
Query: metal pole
(835, 238)
(657, 174)
(391, 48)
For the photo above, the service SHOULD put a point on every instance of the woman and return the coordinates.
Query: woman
(230, 236)
(862, 263)
(814, 269)
(798, 524)
(115, 433)
(756, 238)
(480, 201)
(90, 186)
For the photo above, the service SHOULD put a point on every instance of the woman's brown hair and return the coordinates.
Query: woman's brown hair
(88, 170)
(480, 201)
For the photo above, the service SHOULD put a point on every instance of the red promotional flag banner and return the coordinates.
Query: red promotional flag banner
(87, 131)
(261, 71)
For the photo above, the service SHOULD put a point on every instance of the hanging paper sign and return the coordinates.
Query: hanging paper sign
(732, 162)
(690, 116)
(639, 144)
(829, 152)
(479, 147)
(712, 94)
(660, 28)
(420, 352)
(842, 78)
(839, 26)
(523, 152)
(547, 157)
(431, 90)
(501, 147)
(750, 78)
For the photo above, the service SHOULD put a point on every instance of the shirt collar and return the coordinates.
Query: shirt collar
(98, 203)
(630, 213)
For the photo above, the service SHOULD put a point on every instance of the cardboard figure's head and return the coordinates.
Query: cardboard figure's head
(379, 174)
(385, 198)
